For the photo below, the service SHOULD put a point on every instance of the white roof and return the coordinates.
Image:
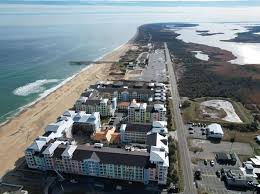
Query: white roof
(159, 156)
(255, 161)
(143, 106)
(248, 173)
(215, 128)
(60, 125)
(69, 150)
(123, 127)
(82, 99)
(159, 107)
(105, 100)
(51, 148)
(151, 84)
(37, 145)
(159, 124)
(159, 130)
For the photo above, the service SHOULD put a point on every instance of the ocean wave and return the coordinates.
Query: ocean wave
(33, 87)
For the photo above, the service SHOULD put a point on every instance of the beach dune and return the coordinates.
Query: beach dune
(20, 131)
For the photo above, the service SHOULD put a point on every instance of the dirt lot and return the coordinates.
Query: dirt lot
(223, 146)
(193, 112)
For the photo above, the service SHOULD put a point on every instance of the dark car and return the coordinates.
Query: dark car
(206, 162)
(197, 174)
(218, 173)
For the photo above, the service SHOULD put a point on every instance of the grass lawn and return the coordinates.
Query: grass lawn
(244, 137)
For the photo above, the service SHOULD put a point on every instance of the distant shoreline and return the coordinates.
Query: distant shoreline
(16, 112)
(19, 131)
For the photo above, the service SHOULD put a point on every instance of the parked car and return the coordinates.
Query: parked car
(212, 163)
(203, 129)
(190, 128)
(194, 124)
(218, 173)
(197, 174)
(191, 132)
(206, 162)
(203, 133)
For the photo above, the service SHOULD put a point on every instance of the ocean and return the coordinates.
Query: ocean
(38, 39)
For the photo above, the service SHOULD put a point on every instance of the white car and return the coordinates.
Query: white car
(212, 163)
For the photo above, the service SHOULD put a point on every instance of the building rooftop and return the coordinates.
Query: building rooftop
(215, 128)
(138, 127)
(109, 155)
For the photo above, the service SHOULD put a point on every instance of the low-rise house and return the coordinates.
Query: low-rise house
(215, 131)
(107, 135)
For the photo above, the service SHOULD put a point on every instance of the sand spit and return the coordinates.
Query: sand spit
(20, 131)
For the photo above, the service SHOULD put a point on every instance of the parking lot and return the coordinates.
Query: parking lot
(210, 182)
(202, 149)
(156, 69)
(199, 139)
(223, 146)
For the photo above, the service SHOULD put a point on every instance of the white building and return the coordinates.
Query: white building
(159, 155)
(105, 106)
(81, 119)
(215, 131)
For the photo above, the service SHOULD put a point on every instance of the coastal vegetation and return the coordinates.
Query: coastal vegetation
(170, 120)
(214, 78)
(251, 36)
(174, 171)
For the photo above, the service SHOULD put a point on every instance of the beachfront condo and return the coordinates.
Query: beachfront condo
(95, 160)
(143, 113)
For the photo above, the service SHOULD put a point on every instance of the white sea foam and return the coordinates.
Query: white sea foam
(257, 33)
(49, 91)
(33, 87)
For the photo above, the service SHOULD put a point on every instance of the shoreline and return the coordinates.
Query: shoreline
(24, 126)
(16, 112)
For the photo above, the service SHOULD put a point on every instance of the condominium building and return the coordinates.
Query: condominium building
(143, 113)
(137, 132)
(105, 106)
(125, 90)
(134, 132)
(115, 163)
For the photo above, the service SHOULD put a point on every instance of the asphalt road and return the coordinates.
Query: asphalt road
(185, 158)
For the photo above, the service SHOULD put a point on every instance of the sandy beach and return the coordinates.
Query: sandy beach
(21, 130)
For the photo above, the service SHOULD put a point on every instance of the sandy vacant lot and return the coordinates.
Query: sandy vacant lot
(207, 108)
